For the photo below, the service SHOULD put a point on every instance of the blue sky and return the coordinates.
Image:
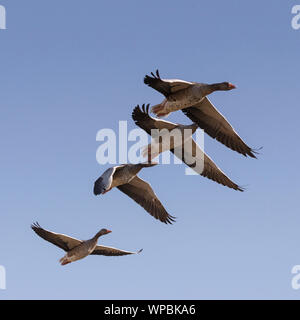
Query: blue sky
(69, 69)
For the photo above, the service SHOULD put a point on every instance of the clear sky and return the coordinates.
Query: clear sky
(70, 68)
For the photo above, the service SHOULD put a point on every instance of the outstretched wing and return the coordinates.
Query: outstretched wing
(109, 251)
(191, 154)
(214, 124)
(141, 192)
(166, 86)
(61, 240)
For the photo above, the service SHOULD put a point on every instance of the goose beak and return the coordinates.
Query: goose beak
(232, 86)
(108, 231)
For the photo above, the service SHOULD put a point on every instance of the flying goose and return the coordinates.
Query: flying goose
(191, 98)
(180, 94)
(208, 169)
(125, 178)
(78, 249)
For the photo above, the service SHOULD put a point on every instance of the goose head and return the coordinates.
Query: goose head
(224, 86)
(220, 86)
(102, 232)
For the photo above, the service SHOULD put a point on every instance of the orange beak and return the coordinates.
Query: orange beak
(108, 231)
(232, 86)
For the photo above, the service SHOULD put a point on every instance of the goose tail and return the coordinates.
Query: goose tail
(159, 110)
(64, 260)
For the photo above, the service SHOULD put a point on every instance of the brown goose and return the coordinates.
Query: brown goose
(191, 98)
(78, 249)
(180, 94)
(125, 178)
(209, 169)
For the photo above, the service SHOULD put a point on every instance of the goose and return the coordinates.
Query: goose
(78, 249)
(180, 94)
(191, 98)
(209, 169)
(125, 178)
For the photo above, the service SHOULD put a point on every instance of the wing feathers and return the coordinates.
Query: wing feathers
(166, 86)
(60, 240)
(109, 251)
(208, 169)
(215, 125)
(141, 192)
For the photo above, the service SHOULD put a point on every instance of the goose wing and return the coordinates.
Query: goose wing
(166, 86)
(109, 251)
(141, 192)
(191, 154)
(214, 124)
(60, 240)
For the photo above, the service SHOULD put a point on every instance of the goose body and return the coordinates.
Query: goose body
(180, 99)
(180, 94)
(79, 252)
(78, 249)
(125, 178)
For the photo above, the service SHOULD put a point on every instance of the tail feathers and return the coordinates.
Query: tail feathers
(156, 108)
(159, 111)
(64, 260)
